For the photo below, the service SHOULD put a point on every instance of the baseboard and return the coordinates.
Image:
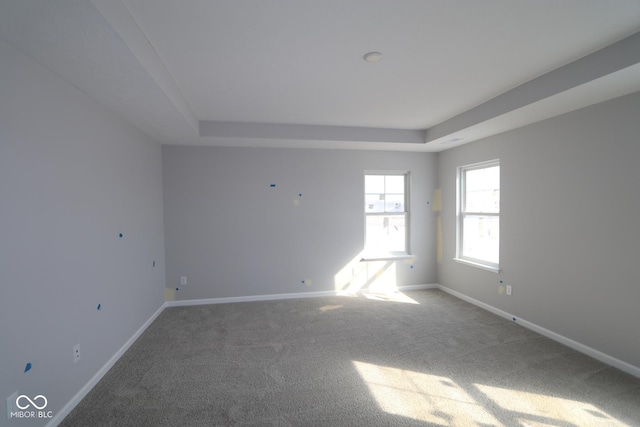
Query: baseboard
(249, 298)
(270, 297)
(418, 287)
(592, 352)
(66, 409)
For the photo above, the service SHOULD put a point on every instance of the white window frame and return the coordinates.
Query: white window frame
(384, 255)
(461, 214)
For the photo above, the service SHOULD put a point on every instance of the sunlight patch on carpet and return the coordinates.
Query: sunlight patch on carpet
(533, 409)
(389, 296)
(395, 296)
(440, 400)
(423, 397)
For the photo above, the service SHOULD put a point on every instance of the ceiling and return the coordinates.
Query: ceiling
(291, 73)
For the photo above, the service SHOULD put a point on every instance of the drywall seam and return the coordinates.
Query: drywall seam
(250, 298)
(66, 409)
(592, 352)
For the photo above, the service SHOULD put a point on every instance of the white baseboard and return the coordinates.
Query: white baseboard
(270, 297)
(418, 287)
(592, 352)
(66, 409)
(249, 298)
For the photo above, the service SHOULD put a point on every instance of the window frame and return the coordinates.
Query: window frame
(461, 214)
(385, 255)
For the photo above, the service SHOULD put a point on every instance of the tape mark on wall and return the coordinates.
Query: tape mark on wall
(439, 239)
(436, 206)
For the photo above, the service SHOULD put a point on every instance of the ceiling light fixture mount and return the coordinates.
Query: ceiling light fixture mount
(373, 56)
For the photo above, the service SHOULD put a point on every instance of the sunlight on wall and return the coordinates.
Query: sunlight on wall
(532, 408)
(376, 276)
(375, 280)
(422, 397)
(441, 401)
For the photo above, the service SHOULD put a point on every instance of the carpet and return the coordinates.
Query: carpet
(368, 360)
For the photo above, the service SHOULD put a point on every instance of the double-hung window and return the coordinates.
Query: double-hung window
(386, 214)
(479, 215)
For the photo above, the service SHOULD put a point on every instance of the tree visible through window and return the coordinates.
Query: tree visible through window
(386, 214)
(479, 214)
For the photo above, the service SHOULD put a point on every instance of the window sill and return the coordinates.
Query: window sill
(478, 265)
(385, 257)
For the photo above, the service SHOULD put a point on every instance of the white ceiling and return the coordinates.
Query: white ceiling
(291, 72)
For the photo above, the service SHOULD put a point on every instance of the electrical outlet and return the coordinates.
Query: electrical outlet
(183, 280)
(76, 353)
(509, 289)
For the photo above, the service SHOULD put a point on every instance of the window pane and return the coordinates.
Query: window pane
(394, 203)
(385, 233)
(481, 237)
(483, 179)
(482, 190)
(491, 178)
(374, 183)
(482, 201)
(374, 203)
(473, 180)
(394, 184)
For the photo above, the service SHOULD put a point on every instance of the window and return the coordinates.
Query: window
(386, 214)
(479, 215)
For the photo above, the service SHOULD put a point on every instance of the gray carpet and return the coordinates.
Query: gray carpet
(354, 361)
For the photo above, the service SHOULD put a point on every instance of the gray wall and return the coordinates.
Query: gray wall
(569, 234)
(72, 177)
(232, 234)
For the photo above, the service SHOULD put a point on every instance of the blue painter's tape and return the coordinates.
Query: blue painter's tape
(121, 235)
(27, 367)
(99, 306)
(514, 319)
(273, 185)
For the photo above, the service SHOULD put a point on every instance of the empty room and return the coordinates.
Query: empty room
(328, 213)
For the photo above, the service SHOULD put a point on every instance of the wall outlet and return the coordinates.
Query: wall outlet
(509, 289)
(183, 280)
(76, 353)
